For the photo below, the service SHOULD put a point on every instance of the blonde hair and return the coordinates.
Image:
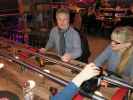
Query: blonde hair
(127, 36)
(126, 33)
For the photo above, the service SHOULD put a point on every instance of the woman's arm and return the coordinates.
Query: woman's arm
(103, 56)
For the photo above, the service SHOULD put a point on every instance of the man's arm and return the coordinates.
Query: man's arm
(77, 51)
(50, 42)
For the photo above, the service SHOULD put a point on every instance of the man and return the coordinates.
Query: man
(63, 38)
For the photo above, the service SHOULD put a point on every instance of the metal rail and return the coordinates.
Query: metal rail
(36, 69)
(118, 82)
(67, 65)
(48, 75)
(49, 59)
(107, 78)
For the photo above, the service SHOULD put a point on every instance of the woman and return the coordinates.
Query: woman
(119, 54)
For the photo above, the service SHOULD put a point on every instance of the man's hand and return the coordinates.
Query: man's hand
(42, 50)
(66, 57)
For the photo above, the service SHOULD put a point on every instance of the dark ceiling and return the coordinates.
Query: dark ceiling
(8, 4)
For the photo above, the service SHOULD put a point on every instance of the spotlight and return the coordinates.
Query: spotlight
(46, 70)
(1, 65)
(16, 57)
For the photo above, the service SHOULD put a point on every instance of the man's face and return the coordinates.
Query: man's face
(62, 21)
